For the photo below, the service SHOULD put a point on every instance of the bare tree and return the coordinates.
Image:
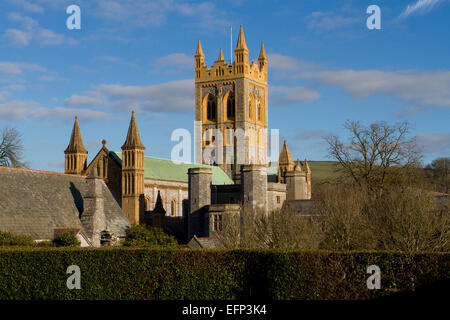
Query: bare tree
(11, 148)
(376, 155)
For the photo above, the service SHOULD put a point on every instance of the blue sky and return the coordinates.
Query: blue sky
(325, 67)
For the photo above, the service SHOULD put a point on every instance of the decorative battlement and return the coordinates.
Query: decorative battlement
(221, 70)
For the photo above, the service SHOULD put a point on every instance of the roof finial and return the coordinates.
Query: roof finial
(221, 55)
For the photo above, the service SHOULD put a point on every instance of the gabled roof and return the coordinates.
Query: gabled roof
(38, 202)
(166, 169)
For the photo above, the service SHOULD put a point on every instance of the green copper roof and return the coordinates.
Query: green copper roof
(165, 169)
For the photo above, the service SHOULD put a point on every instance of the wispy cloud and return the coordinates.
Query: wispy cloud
(21, 110)
(422, 89)
(326, 21)
(281, 95)
(29, 30)
(434, 142)
(28, 6)
(419, 7)
(174, 96)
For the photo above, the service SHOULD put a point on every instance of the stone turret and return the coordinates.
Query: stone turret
(199, 194)
(93, 217)
(296, 183)
(133, 174)
(75, 153)
(254, 186)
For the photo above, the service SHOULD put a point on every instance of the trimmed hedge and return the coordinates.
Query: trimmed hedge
(129, 273)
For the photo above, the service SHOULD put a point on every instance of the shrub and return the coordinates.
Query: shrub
(10, 239)
(67, 239)
(147, 236)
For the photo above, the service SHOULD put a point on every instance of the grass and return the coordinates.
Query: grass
(322, 171)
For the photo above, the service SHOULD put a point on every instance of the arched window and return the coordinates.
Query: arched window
(259, 113)
(231, 106)
(211, 111)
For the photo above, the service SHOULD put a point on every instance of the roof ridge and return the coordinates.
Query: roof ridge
(43, 172)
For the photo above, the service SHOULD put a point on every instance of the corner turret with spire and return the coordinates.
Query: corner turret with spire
(75, 153)
(133, 174)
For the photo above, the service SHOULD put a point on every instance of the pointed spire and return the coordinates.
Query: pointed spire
(262, 53)
(221, 58)
(199, 51)
(298, 166)
(76, 143)
(133, 138)
(159, 208)
(241, 40)
(306, 166)
(285, 157)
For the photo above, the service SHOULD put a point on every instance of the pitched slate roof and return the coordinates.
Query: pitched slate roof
(166, 169)
(37, 202)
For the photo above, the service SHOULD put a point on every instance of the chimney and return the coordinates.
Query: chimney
(93, 218)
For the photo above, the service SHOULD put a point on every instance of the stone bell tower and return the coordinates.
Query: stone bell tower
(75, 153)
(231, 102)
(133, 174)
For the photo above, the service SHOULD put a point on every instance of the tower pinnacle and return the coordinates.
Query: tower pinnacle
(76, 143)
(199, 51)
(241, 40)
(133, 138)
(221, 58)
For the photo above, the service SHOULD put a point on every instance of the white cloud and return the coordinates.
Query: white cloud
(176, 60)
(28, 6)
(143, 13)
(434, 142)
(421, 88)
(326, 21)
(31, 31)
(175, 96)
(21, 110)
(419, 7)
(280, 95)
(83, 100)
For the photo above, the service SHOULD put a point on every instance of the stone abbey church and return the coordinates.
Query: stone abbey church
(190, 199)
